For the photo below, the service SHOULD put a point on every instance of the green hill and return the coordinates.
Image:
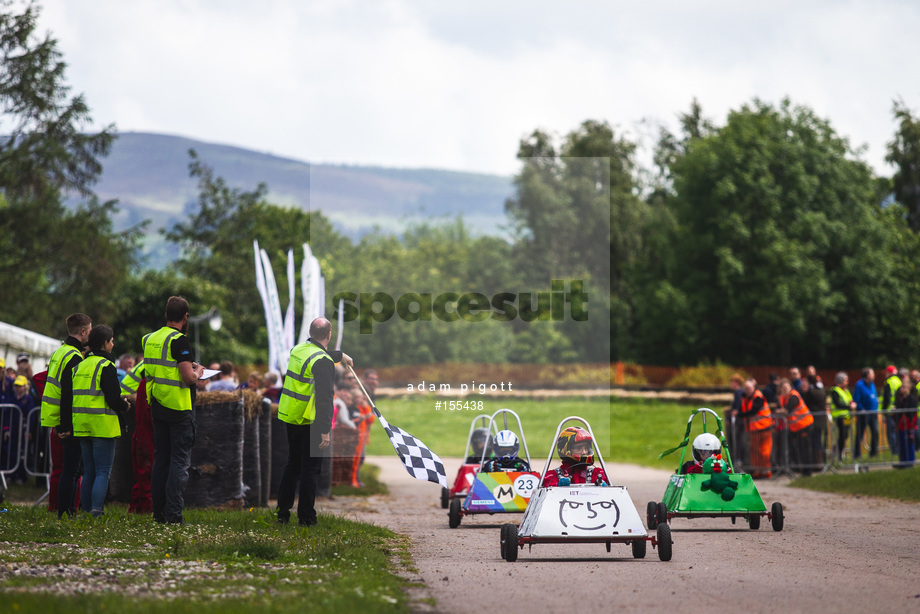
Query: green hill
(148, 175)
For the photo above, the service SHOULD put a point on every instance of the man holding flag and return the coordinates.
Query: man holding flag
(306, 408)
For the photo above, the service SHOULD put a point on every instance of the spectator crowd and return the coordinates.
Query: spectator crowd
(797, 421)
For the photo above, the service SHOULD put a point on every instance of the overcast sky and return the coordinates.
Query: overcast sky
(457, 84)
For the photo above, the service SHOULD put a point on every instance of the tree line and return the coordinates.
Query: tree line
(761, 238)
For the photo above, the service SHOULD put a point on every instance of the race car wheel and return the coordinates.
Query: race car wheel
(662, 513)
(445, 498)
(754, 521)
(504, 537)
(777, 519)
(651, 515)
(639, 547)
(511, 543)
(664, 542)
(453, 514)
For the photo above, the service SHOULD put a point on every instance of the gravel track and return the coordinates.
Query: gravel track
(836, 553)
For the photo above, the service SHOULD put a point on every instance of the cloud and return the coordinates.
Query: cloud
(456, 85)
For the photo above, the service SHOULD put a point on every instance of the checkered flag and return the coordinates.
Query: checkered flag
(420, 462)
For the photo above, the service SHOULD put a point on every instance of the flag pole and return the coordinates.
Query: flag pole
(357, 379)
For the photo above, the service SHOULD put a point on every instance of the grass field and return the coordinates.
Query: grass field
(628, 431)
(221, 561)
(901, 484)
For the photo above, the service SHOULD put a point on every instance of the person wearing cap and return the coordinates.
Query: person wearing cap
(24, 367)
(21, 396)
(889, 392)
(27, 400)
(66, 457)
(12, 425)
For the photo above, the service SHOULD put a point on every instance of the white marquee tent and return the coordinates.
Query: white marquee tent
(39, 347)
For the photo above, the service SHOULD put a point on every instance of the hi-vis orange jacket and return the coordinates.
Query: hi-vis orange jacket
(799, 417)
(760, 421)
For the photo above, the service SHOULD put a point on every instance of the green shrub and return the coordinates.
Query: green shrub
(704, 376)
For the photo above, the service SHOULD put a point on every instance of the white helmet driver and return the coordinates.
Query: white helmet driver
(704, 446)
(506, 445)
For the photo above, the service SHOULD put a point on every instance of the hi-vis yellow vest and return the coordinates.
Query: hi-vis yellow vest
(132, 379)
(51, 398)
(298, 402)
(839, 412)
(164, 383)
(91, 416)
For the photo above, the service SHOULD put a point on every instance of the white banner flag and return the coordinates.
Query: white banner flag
(276, 327)
(306, 269)
(266, 304)
(288, 337)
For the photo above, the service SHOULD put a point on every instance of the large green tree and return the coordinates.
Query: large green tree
(577, 216)
(777, 250)
(53, 260)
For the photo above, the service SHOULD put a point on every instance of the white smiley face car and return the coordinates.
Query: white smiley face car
(582, 513)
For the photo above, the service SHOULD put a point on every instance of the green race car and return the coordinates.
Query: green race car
(708, 487)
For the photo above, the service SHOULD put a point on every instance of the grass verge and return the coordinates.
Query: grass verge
(221, 561)
(901, 484)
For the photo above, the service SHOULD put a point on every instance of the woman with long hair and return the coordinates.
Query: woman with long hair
(97, 403)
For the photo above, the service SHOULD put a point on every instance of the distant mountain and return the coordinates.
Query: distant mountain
(148, 175)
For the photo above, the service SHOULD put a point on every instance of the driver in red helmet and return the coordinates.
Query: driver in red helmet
(576, 449)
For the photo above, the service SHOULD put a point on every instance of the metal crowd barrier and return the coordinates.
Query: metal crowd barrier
(25, 447)
(827, 445)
